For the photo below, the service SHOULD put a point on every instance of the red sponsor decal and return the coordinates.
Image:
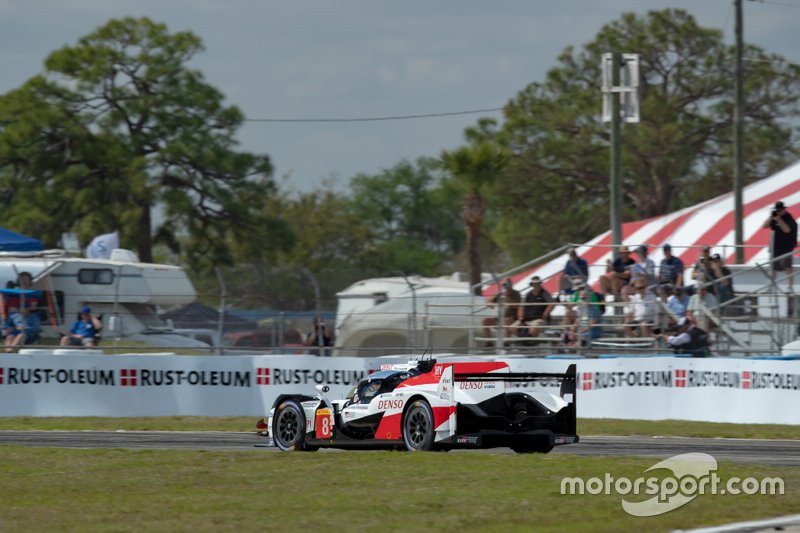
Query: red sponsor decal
(1, 375)
(470, 385)
(390, 404)
(746, 379)
(128, 377)
(262, 376)
(680, 377)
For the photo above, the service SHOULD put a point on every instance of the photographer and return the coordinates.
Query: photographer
(687, 338)
(784, 240)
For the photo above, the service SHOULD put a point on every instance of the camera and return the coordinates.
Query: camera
(774, 213)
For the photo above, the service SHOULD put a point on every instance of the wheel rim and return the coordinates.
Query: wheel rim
(288, 426)
(417, 427)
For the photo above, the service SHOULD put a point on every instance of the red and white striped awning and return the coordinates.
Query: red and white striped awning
(708, 223)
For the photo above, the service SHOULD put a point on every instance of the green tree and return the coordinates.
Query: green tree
(117, 125)
(412, 212)
(679, 153)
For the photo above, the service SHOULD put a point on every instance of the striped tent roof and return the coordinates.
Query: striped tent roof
(708, 223)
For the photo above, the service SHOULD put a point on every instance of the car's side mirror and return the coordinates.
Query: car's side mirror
(322, 389)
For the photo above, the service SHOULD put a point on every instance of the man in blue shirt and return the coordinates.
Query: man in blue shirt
(84, 331)
(575, 272)
(21, 327)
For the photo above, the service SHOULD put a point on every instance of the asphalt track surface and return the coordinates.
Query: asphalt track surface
(769, 452)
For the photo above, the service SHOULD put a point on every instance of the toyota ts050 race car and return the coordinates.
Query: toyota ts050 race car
(425, 405)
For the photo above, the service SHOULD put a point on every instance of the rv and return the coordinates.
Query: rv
(123, 291)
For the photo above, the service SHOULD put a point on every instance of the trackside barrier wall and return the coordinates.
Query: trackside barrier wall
(653, 388)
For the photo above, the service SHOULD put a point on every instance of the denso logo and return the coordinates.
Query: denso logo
(470, 385)
(390, 404)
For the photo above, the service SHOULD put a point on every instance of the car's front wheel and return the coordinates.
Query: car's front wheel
(289, 426)
(418, 430)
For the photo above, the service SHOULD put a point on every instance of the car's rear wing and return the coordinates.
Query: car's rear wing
(568, 378)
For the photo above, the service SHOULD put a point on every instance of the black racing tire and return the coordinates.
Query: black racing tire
(289, 426)
(418, 429)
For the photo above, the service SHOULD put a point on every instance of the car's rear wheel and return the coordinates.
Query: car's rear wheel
(418, 430)
(289, 426)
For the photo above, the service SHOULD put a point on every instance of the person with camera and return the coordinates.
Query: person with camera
(687, 338)
(784, 240)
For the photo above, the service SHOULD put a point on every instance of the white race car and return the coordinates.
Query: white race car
(425, 405)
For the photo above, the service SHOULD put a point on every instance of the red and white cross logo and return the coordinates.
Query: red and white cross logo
(127, 377)
(680, 377)
(262, 376)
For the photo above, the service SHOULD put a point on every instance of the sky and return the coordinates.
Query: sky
(324, 59)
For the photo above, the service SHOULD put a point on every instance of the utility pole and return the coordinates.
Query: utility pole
(616, 166)
(738, 151)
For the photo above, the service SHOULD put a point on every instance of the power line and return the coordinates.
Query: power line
(774, 2)
(375, 119)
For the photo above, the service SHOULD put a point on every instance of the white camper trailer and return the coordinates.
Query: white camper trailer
(121, 289)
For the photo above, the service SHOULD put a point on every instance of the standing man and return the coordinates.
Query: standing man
(784, 239)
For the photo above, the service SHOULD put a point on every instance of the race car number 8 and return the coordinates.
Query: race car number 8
(323, 429)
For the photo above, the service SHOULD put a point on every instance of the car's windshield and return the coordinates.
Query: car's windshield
(364, 391)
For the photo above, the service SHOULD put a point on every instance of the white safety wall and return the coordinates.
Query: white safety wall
(652, 388)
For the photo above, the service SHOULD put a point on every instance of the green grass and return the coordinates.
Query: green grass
(585, 426)
(170, 490)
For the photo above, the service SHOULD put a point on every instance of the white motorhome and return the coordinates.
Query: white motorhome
(383, 316)
(123, 290)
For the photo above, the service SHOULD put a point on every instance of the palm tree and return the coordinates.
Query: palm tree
(476, 167)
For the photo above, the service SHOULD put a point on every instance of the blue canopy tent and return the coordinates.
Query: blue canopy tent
(14, 242)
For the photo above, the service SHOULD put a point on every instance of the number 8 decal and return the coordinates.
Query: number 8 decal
(323, 428)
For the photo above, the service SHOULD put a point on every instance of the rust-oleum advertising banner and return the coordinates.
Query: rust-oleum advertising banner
(652, 388)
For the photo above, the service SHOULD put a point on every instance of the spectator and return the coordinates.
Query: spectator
(536, 314)
(618, 274)
(84, 331)
(644, 268)
(312, 340)
(784, 240)
(511, 299)
(723, 283)
(644, 311)
(21, 327)
(689, 339)
(702, 272)
(678, 303)
(701, 306)
(587, 325)
(575, 271)
(670, 271)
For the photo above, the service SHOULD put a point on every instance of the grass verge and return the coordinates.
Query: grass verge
(171, 490)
